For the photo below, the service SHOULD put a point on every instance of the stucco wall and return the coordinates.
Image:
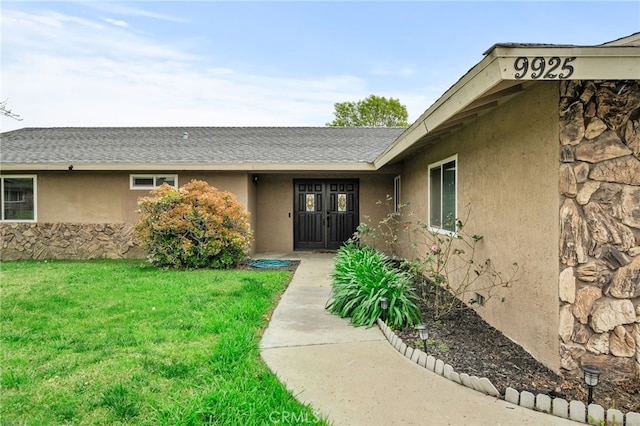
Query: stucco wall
(508, 176)
(88, 214)
(274, 205)
(79, 206)
(274, 213)
(252, 195)
(85, 197)
(105, 197)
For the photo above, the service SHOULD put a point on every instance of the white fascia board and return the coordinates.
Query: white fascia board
(264, 167)
(333, 167)
(477, 81)
(590, 63)
(14, 167)
(404, 141)
(586, 63)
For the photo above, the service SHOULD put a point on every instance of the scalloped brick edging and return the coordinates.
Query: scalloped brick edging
(574, 410)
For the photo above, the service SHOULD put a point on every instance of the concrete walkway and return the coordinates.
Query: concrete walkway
(353, 376)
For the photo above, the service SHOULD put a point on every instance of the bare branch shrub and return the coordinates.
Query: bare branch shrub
(446, 261)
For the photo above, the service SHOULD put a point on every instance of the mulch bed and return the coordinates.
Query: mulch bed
(470, 345)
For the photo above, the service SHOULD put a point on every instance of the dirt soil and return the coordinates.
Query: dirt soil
(470, 345)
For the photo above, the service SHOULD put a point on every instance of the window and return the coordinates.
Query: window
(152, 182)
(443, 195)
(396, 194)
(18, 198)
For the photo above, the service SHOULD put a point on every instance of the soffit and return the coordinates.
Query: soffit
(499, 77)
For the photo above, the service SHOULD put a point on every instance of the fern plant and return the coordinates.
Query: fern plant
(361, 277)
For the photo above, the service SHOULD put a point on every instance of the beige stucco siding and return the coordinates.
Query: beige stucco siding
(251, 208)
(274, 205)
(105, 197)
(274, 213)
(374, 190)
(507, 175)
(85, 197)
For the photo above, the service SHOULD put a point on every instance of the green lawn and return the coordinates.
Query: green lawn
(119, 342)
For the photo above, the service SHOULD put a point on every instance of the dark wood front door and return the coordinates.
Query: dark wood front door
(326, 213)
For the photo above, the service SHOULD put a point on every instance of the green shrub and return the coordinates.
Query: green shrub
(195, 226)
(361, 277)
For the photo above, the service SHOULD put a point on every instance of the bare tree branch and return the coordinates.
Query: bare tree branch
(7, 112)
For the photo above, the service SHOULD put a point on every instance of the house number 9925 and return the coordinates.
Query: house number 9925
(543, 68)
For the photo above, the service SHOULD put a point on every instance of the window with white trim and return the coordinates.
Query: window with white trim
(152, 181)
(396, 194)
(18, 198)
(443, 195)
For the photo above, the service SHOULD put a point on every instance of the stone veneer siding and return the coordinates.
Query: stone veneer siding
(599, 184)
(38, 241)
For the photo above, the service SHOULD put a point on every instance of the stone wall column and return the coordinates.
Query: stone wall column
(599, 189)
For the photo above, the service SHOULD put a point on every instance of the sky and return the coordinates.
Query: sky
(263, 63)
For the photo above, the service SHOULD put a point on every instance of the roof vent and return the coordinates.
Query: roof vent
(185, 135)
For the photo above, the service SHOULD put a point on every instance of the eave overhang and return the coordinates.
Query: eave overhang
(500, 76)
(160, 167)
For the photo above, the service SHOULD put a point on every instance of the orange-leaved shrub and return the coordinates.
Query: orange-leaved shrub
(194, 226)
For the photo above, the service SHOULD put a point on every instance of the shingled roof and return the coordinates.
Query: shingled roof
(193, 145)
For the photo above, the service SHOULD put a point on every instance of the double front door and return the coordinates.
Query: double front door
(326, 212)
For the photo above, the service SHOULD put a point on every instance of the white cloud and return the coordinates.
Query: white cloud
(116, 22)
(62, 70)
(128, 10)
(90, 74)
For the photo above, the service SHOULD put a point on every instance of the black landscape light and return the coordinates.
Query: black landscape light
(384, 305)
(424, 335)
(591, 376)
